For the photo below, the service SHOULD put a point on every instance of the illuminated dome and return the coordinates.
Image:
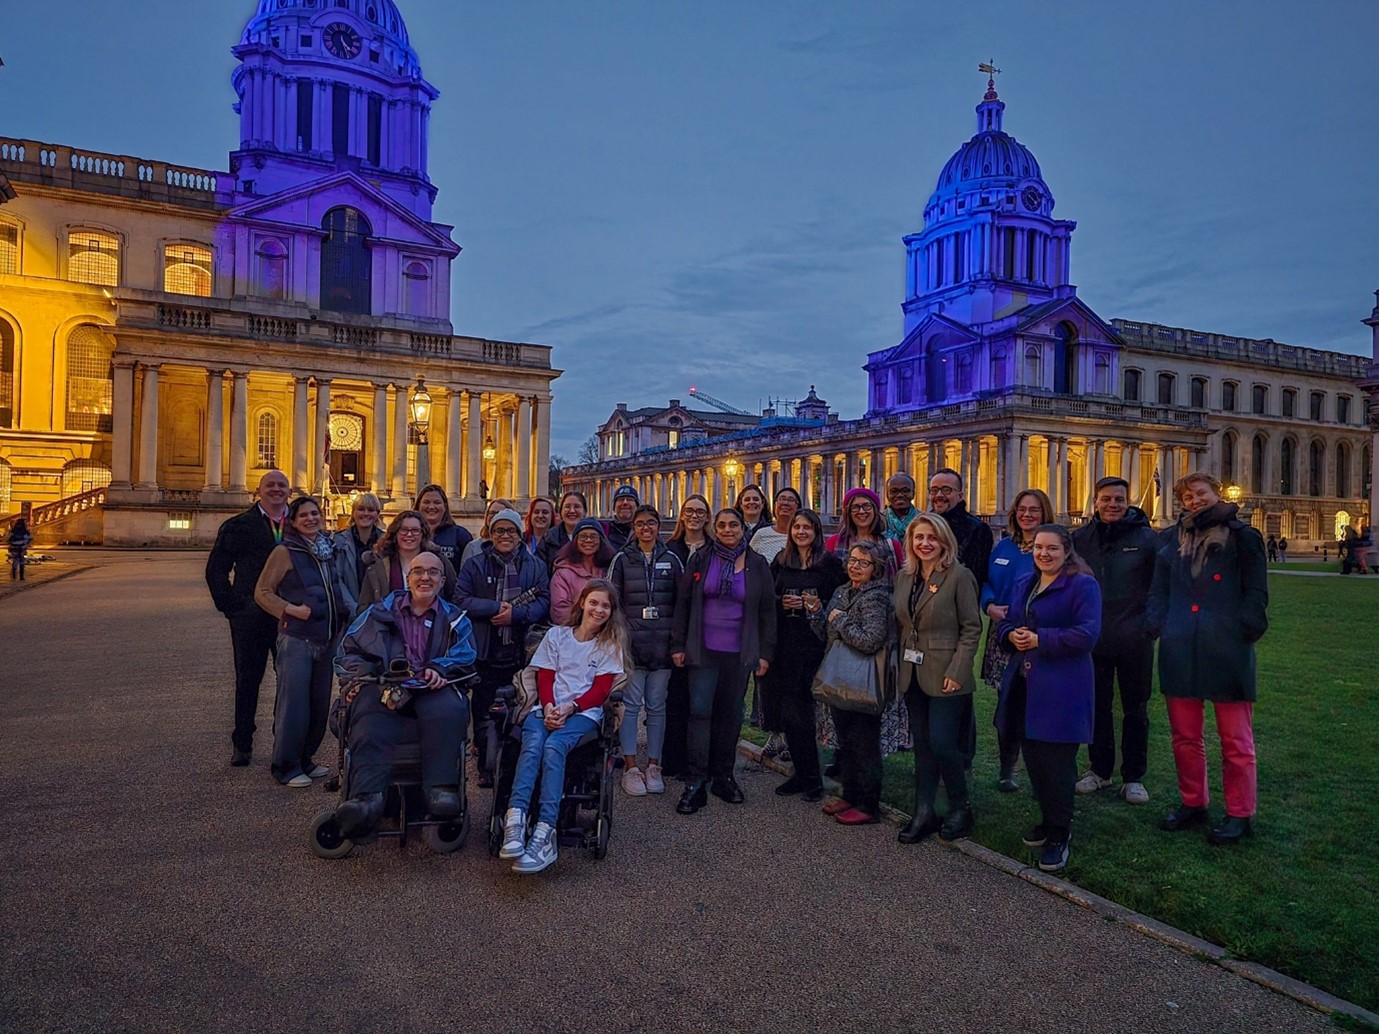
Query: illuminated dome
(378, 21)
(991, 161)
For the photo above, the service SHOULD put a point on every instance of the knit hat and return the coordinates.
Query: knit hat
(626, 492)
(505, 515)
(589, 524)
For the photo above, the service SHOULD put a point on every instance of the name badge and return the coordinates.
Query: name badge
(1001, 560)
(427, 622)
(651, 613)
(663, 566)
(914, 656)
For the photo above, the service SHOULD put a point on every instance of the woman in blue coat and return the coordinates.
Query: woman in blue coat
(1053, 621)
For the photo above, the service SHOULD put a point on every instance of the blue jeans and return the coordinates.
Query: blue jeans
(303, 702)
(648, 688)
(543, 753)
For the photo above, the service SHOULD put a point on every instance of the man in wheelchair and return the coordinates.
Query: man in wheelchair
(402, 666)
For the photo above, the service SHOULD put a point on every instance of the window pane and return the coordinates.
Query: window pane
(9, 249)
(89, 384)
(187, 269)
(6, 375)
(93, 258)
(268, 440)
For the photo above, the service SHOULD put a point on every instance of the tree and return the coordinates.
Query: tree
(589, 451)
(558, 464)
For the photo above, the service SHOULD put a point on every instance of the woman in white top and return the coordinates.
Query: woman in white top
(771, 539)
(576, 665)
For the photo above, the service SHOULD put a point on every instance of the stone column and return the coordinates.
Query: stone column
(1094, 461)
(1130, 469)
(806, 480)
(976, 470)
(1024, 476)
(454, 454)
(524, 469)
(318, 458)
(215, 430)
(1053, 472)
(239, 432)
(122, 423)
(1165, 471)
(148, 429)
(540, 410)
(379, 472)
(301, 474)
(476, 445)
(400, 421)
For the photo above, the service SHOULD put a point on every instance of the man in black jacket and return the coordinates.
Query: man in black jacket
(975, 540)
(232, 570)
(1119, 546)
(625, 503)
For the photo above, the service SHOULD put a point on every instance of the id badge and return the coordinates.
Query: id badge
(914, 656)
(650, 613)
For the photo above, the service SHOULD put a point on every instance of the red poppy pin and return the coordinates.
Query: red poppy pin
(698, 575)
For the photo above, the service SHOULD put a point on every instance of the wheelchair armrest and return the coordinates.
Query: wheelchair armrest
(614, 697)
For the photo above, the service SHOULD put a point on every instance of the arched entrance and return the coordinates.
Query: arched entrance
(346, 452)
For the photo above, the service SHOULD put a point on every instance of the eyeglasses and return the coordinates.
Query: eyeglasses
(857, 561)
(646, 524)
(693, 512)
(861, 508)
(408, 531)
(505, 530)
(425, 572)
(1030, 511)
(942, 490)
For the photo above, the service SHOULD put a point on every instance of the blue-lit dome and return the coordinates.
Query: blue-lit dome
(379, 20)
(993, 160)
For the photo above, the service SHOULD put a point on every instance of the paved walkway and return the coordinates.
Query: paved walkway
(148, 886)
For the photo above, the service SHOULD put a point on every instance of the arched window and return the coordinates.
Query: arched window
(93, 258)
(6, 485)
(1132, 386)
(1257, 465)
(964, 374)
(267, 429)
(1288, 453)
(1103, 375)
(89, 384)
(187, 269)
(1034, 367)
(81, 476)
(1290, 403)
(1228, 390)
(416, 279)
(270, 274)
(9, 248)
(1199, 393)
(1317, 402)
(879, 384)
(1342, 409)
(346, 272)
(1316, 467)
(936, 373)
(1065, 359)
(1343, 470)
(1259, 400)
(998, 368)
(1228, 446)
(905, 386)
(1166, 389)
(7, 355)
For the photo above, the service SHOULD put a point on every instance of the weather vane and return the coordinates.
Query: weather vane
(989, 67)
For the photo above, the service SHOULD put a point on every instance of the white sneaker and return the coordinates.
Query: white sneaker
(319, 772)
(1091, 783)
(655, 782)
(299, 781)
(541, 851)
(514, 834)
(1134, 793)
(634, 783)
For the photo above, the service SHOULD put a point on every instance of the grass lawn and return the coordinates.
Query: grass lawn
(1302, 896)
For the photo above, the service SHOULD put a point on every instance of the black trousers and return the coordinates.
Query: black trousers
(938, 726)
(794, 706)
(859, 746)
(717, 688)
(437, 719)
(492, 676)
(674, 760)
(1052, 770)
(1135, 669)
(253, 637)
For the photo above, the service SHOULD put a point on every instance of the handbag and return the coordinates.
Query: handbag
(854, 681)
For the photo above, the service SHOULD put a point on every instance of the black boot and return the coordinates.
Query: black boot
(358, 815)
(443, 802)
(694, 797)
(1232, 831)
(959, 823)
(1183, 817)
(924, 824)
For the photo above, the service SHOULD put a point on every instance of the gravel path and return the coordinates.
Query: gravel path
(148, 886)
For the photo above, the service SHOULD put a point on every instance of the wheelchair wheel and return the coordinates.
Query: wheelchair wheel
(602, 829)
(326, 838)
(447, 837)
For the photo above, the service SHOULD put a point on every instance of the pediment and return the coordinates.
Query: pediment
(306, 206)
(912, 347)
(1044, 319)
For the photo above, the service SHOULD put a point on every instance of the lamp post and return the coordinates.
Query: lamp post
(420, 406)
(731, 469)
(490, 468)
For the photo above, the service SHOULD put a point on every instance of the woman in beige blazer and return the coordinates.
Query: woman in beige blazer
(940, 626)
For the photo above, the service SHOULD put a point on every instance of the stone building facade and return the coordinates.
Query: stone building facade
(168, 334)
(1006, 375)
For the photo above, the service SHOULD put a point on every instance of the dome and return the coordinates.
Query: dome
(991, 159)
(379, 20)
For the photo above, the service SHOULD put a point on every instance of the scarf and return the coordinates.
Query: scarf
(1201, 530)
(322, 546)
(727, 559)
(509, 588)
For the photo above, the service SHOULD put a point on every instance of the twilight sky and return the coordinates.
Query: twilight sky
(714, 193)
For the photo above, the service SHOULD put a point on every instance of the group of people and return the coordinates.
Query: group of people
(757, 593)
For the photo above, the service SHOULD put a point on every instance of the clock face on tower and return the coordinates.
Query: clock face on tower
(342, 41)
(1031, 197)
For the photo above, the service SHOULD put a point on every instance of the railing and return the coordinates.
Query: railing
(29, 161)
(51, 513)
(188, 319)
(1179, 341)
(273, 328)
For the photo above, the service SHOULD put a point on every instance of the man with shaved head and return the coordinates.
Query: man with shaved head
(241, 548)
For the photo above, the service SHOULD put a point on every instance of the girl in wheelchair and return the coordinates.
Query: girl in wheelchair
(576, 665)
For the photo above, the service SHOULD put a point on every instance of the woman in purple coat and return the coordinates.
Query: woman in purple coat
(1053, 621)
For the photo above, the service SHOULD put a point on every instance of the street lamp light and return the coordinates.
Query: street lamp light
(731, 468)
(1233, 494)
(490, 450)
(420, 406)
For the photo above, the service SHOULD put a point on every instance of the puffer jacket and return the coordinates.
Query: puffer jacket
(869, 621)
(480, 586)
(293, 576)
(374, 641)
(646, 581)
(1121, 556)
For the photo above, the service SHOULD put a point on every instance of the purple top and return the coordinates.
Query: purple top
(723, 614)
(415, 629)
